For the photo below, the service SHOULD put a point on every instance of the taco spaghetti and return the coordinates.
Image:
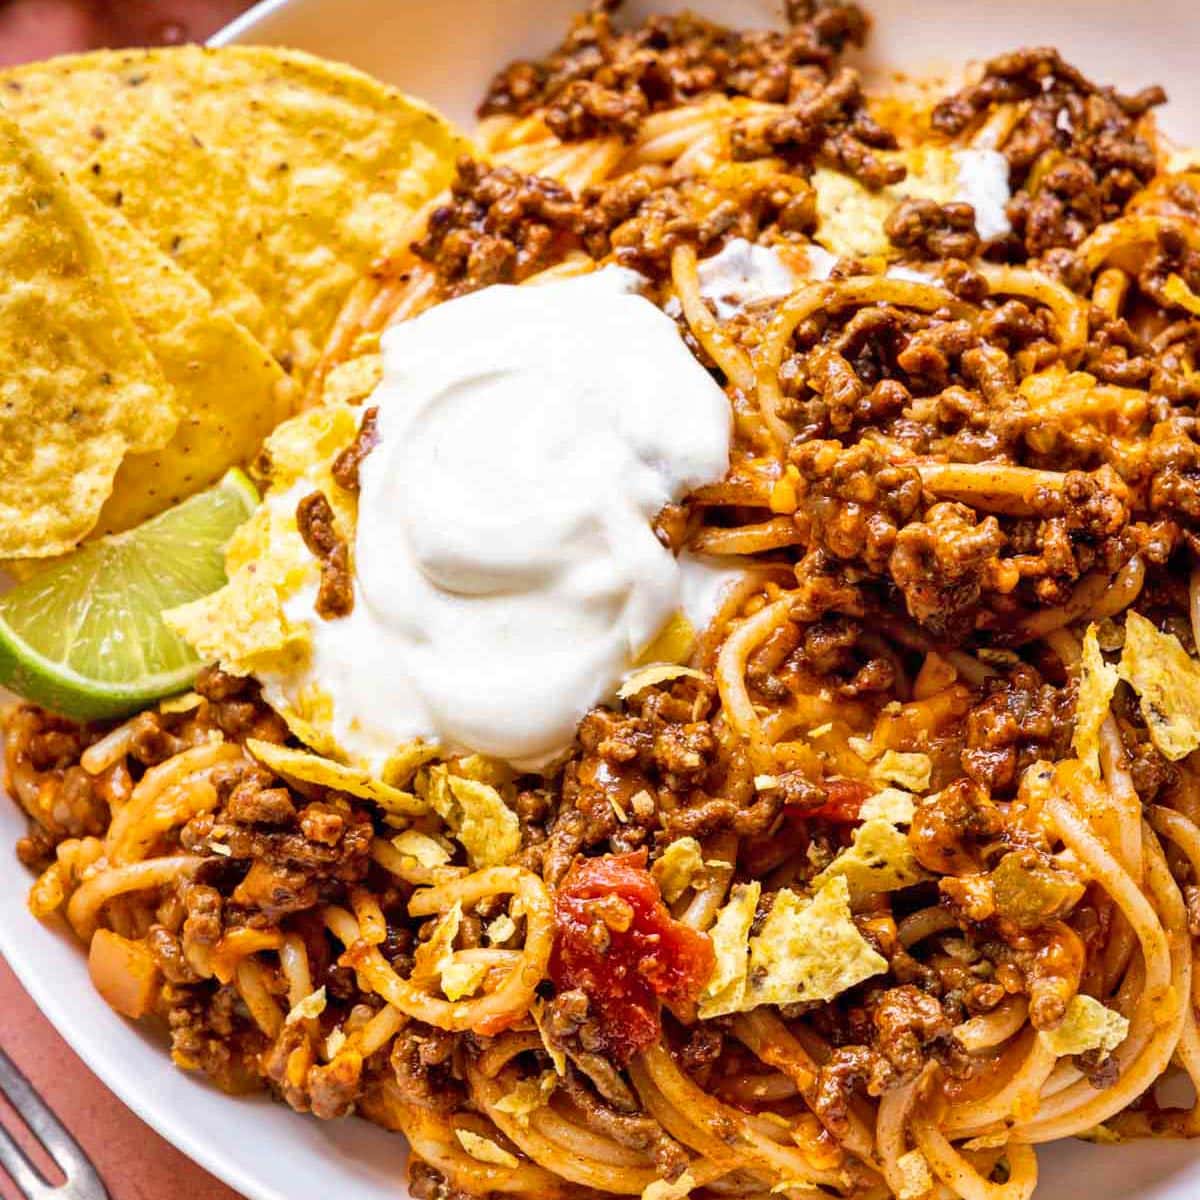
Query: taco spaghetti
(897, 878)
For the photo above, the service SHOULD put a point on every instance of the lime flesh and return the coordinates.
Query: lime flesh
(85, 635)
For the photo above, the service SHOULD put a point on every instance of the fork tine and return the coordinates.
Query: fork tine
(83, 1183)
(13, 1161)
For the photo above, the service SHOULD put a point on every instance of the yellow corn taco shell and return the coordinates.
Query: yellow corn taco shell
(275, 177)
(79, 388)
(231, 393)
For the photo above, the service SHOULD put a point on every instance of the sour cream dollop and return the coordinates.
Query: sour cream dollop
(507, 573)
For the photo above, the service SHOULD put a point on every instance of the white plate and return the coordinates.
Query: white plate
(445, 51)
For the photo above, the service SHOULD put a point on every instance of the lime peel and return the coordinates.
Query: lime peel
(84, 635)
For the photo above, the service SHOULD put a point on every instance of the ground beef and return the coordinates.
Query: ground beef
(829, 126)
(670, 60)
(499, 227)
(848, 1069)
(934, 231)
(349, 461)
(314, 519)
(1021, 719)
(297, 855)
(1076, 156)
(422, 1061)
(907, 1023)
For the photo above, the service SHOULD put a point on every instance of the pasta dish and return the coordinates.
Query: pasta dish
(866, 877)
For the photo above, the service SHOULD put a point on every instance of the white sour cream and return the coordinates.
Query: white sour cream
(740, 273)
(507, 575)
(983, 184)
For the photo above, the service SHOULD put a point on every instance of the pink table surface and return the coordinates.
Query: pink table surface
(31, 29)
(135, 1162)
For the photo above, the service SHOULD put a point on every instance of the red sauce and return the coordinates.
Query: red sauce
(616, 940)
(844, 799)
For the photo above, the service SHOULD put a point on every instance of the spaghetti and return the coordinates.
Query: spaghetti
(951, 489)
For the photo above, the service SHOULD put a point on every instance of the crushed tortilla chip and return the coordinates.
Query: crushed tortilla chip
(879, 859)
(351, 382)
(527, 1096)
(726, 989)
(910, 771)
(403, 762)
(1167, 681)
(484, 1150)
(660, 1189)
(863, 747)
(501, 929)
(311, 768)
(650, 676)
(679, 864)
(672, 644)
(424, 850)
(1101, 1135)
(460, 979)
(806, 950)
(916, 1175)
(243, 626)
(436, 953)
(890, 804)
(308, 1009)
(1088, 1025)
(1097, 682)
(809, 950)
(476, 814)
(988, 1141)
(186, 702)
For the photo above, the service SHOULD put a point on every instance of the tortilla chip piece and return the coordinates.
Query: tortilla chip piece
(910, 771)
(244, 626)
(646, 677)
(527, 1096)
(678, 865)
(271, 168)
(484, 1150)
(231, 393)
(1088, 1025)
(879, 859)
(1097, 682)
(1167, 681)
(809, 949)
(424, 850)
(101, 120)
(726, 990)
(851, 216)
(478, 817)
(892, 805)
(312, 768)
(78, 386)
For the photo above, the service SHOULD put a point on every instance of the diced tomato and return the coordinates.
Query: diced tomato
(844, 799)
(616, 940)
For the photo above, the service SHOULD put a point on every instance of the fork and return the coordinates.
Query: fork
(82, 1181)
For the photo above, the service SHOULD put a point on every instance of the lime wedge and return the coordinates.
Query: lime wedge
(85, 636)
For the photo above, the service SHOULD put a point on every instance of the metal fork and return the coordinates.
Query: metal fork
(82, 1181)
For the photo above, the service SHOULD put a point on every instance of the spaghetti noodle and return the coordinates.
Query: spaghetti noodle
(945, 529)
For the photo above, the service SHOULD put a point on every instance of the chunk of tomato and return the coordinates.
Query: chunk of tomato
(616, 940)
